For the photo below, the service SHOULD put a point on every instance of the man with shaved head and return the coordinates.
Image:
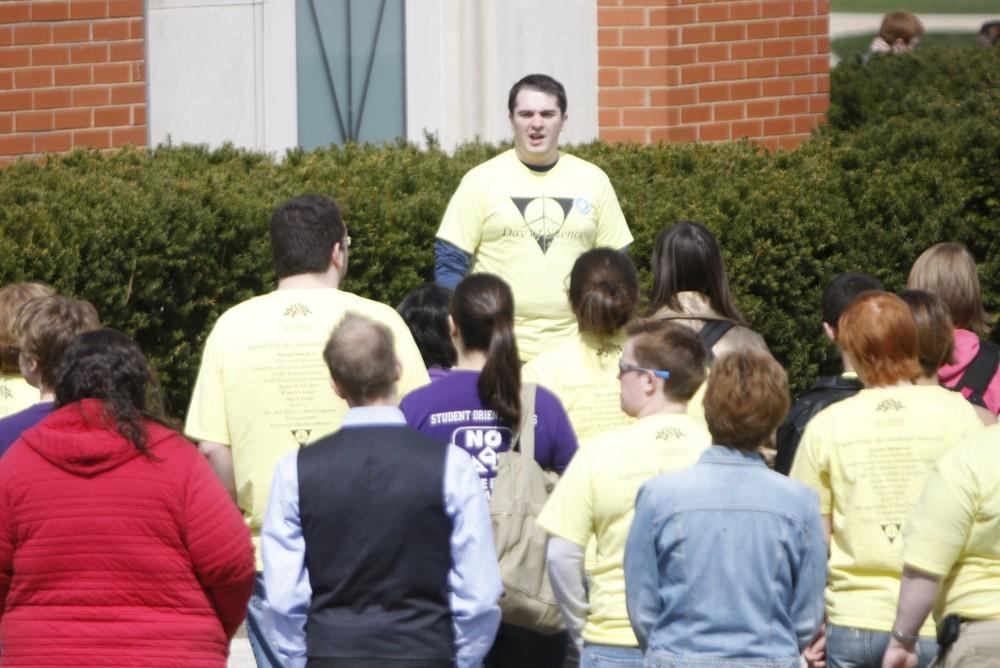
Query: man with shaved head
(377, 542)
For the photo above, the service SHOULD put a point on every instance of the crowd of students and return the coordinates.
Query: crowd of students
(671, 543)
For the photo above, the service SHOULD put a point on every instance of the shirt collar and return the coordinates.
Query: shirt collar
(363, 416)
(721, 454)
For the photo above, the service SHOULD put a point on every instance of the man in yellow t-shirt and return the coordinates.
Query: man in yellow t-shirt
(662, 365)
(951, 548)
(263, 387)
(527, 214)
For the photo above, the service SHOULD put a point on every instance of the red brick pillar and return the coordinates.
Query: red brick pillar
(72, 73)
(683, 70)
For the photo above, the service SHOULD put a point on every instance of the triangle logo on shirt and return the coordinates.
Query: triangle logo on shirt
(544, 217)
(891, 531)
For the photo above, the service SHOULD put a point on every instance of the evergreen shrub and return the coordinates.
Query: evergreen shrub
(163, 241)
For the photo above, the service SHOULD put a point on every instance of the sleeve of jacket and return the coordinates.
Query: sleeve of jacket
(642, 577)
(808, 604)
(218, 542)
(6, 549)
(474, 578)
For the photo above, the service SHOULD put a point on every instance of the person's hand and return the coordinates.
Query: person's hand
(897, 656)
(815, 651)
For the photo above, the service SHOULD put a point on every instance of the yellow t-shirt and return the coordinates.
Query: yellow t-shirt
(264, 388)
(583, 373)
(954, 530)
(868, 457)
(15, 394)
(528, 228)
(596, 498)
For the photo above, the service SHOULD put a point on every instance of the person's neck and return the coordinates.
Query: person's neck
(46, 394)
(848, 367)
(661, 406)
(326, 280)
(539, 163)
(470, 360)
(389, 401)
(927, 380)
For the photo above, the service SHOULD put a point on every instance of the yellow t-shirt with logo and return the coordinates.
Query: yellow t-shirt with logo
(264, 388)
(868, 457)
(596, 498)
(583, 372)
(528, 228)
(15, 394)
(954, 530)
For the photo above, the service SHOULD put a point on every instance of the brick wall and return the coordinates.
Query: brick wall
(72, 73)
(684, 70)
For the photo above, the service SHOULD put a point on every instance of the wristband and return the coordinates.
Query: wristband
(906, 641)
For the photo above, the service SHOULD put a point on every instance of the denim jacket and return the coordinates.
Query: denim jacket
(725, 565)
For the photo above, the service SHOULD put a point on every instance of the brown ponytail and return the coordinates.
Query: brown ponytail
(603, 291)
(483, 310)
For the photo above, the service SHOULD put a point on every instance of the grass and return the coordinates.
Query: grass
(918, 6)
(848, 47)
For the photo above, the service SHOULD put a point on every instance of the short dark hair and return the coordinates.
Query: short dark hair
(989, 34)
(843, 290)
(425, 311)
(539, 82)
(746, 399)
(666, 345)
(603, 291)
(45, 326)
(687, 257)
(361, 358)
(304, 231)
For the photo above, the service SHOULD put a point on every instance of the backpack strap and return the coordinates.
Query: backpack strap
(980, 372)
(713, 330)
(524, 437)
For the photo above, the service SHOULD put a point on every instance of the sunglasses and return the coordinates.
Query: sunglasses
(624, 367)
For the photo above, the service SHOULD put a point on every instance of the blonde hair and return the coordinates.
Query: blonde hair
(949, 271)
(900, 24)
(45, 326)
(12, 298)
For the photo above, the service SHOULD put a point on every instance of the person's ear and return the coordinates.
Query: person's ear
(651, 384)
(830, 331)
(399, 370)
(338, 256)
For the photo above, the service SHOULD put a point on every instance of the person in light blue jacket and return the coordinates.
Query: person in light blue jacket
(725, 564)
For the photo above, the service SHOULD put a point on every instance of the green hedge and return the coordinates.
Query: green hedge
(163, 241)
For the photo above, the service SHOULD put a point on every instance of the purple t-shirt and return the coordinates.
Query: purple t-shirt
(12, 426)
(449, 409)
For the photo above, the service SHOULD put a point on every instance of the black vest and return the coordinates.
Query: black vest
(377, 545)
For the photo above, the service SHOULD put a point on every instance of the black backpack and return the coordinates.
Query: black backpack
(980, 372)
(824, 392)
(712, 331)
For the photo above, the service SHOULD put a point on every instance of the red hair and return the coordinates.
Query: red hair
(879, 332)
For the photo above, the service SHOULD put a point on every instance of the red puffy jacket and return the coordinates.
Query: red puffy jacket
(110, 557)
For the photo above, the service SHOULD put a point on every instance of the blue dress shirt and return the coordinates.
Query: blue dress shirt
(473, 580)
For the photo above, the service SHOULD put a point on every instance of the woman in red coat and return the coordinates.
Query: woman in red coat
(118, 545)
